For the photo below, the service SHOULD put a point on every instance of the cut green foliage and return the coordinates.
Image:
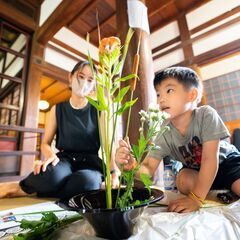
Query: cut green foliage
(45, 228)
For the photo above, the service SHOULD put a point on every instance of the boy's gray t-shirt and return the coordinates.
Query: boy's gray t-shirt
(206, 125)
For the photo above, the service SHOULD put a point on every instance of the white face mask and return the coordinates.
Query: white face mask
(82, 87)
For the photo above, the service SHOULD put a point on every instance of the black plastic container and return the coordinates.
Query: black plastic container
(111, 223)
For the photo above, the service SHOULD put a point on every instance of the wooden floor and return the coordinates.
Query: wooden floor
(9, 203)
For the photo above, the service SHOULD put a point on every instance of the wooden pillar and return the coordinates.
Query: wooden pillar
(31, 110)
(188, 50)
(144, 90)
(197, 70)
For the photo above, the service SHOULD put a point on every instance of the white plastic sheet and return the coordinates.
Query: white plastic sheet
(221, 223)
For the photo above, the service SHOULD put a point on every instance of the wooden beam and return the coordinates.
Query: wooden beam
(167, 51)
(215, 20)
(56, 49)
(48, 86)
(84, 10)
(214, 55)
(218, 53)
(166, 44)
(162, 4)
(217, 29)
(203, 35)
(189, 9)
(55, 72)
(62, 16)
(30, 115)
(15, 16)
(9, 106)
(71, 49)
(64, 90)
(185, 37)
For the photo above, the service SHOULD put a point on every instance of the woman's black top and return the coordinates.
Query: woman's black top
(77, 134)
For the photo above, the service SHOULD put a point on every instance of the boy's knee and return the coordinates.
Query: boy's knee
(185, 180)
(236, 187)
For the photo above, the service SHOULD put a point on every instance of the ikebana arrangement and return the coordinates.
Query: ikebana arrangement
(110, 96)
(113, 212)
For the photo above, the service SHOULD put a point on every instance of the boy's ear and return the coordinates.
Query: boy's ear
(193, 94)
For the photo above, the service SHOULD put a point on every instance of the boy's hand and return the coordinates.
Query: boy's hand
(184, 205)
(123, 155)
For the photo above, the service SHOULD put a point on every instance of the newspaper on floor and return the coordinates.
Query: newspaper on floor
(9, 219)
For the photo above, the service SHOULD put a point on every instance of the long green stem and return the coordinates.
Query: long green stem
(129, 116)
(126, 135)
(119, 186)
(101, 142)
(108, 152)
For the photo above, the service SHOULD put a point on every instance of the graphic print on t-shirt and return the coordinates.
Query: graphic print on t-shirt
(192, 153)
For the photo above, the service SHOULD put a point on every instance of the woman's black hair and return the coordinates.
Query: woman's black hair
(80, 65)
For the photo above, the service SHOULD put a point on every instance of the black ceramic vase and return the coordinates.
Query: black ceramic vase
(111, 223)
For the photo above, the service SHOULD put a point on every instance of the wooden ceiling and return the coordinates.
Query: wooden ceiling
(83, 21)
(160, 13)
(53, 91)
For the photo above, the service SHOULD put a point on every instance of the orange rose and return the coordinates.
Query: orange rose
(108, 45)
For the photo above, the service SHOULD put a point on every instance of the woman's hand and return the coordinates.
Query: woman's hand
(184, 205)
(124, 156)
(42, 165)
(115, 180)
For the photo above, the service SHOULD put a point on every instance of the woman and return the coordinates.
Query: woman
(76, 167)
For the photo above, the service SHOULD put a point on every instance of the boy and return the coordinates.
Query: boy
(194, 139)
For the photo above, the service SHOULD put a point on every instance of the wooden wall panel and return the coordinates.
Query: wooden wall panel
(232, 125)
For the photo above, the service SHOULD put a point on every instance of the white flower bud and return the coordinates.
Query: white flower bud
(153, 107)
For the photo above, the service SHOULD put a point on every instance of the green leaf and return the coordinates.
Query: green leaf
(114, 56)
(100, 79)
(101, 97)
(142, 143)
(116, 70)
(146, 180)
(91, 63)
(135, 151)
(44, 228)
(116, 85)
(19, 237)
(126, 106)
(103, 59)
(130, 76)
(121, 94)
(49, 216)
(94, 103)
(126, 45)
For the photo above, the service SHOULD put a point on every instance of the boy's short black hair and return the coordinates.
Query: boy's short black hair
(186, 76)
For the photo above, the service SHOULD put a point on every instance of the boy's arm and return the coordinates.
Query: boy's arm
(206, 175)
(148, 166)
(208, 169)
